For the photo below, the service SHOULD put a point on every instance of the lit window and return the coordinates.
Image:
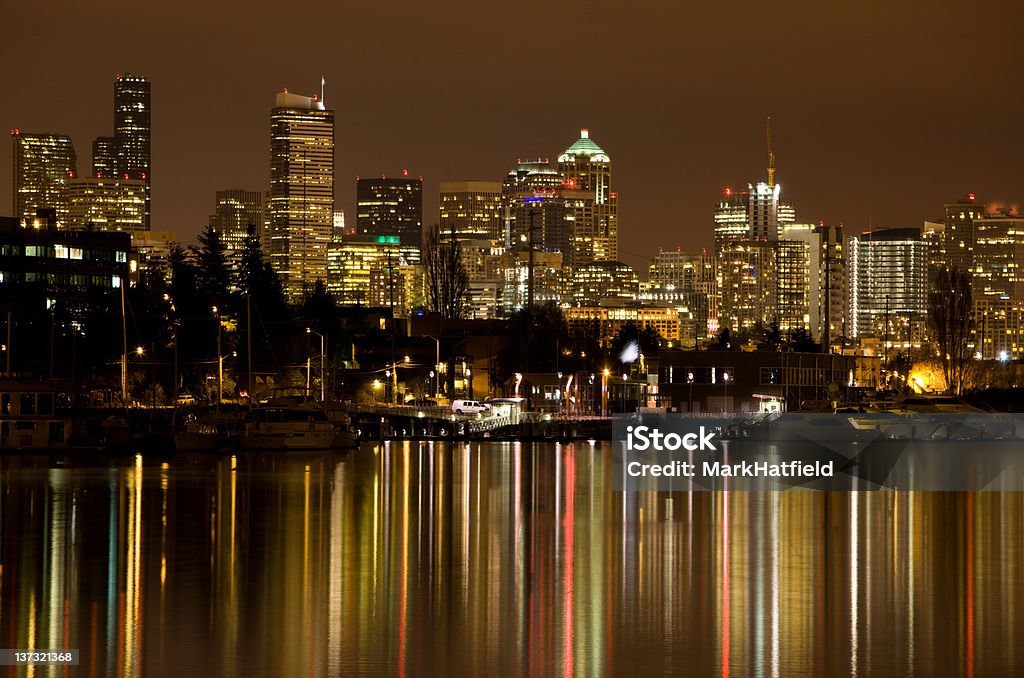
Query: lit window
(75, 252)
(60, 252)
(115, 281)
(122, 257)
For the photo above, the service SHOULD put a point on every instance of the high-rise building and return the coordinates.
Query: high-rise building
(132, 132)
(301, 190)
(959, 233)
(104, 158)
(825, 277)
(998, 266)
(998, 285)
(43, 165)
(107, 204)
(887, 271)
(747, 285)
(359, 265)
(390, 207)
(585, 168)
(235, 210)
(592, 283)
(470, 210)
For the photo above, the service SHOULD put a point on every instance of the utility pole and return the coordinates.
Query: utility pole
(529, 266)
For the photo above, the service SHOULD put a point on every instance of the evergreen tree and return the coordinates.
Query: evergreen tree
(214, 274)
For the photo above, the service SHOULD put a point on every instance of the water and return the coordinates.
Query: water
(494, 559)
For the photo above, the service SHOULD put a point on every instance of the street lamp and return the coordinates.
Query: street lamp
(323, 352)
(220, 360)
(604, 392)
(725, 389)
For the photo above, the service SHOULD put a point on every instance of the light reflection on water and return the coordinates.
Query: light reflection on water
(494, 559)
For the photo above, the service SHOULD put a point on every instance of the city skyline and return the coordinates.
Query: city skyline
(858, 146)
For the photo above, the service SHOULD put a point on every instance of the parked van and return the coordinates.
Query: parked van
(469, 407)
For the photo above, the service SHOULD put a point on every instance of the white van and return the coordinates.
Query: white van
(469, 407)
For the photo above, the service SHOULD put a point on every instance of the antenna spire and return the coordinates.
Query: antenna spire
(771, 153)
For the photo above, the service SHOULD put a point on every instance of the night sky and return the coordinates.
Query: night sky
(882, 111)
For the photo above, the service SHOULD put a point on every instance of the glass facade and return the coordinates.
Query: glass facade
(132, 132)
(43, 166)
(301, 201)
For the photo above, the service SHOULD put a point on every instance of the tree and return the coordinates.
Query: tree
(214, 273)
(446, 276)
(951, 315)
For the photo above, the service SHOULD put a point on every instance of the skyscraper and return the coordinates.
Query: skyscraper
(470, 210)
(390, 207)
(107, 204)
(235, 210)
(585, 168)
(132, 132)
(958, 235)
(43, 165)
(888, 279)
(104, 158)
(301, 190)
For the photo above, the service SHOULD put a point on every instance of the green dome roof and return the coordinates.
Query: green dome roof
(584, 146)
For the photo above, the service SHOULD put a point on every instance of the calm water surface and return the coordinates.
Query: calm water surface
(494, 559)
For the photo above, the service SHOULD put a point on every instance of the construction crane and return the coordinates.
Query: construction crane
(771, 153)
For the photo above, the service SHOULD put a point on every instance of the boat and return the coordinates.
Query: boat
(286, 428)
(28, 418)
(206, 433)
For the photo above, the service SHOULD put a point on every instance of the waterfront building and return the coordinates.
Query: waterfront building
(301, 204)
(59, 265)
(43, 164)
(762, 381)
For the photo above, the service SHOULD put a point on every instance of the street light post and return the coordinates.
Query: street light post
(220, 361)
(323, 352)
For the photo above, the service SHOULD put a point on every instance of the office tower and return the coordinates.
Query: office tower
(42, 167)
(887, 272)
(756, 213)
(998, 285)
(470, 210)
(598, 281)
(686, 281)
(586, 172)
(339, 226)
(792, 285)
(514, 271)
(234, 211)
(132, 132)
(301, 190)
(390, 207)
(747, 285)
(358, 264)
(959, 234)
(104, 158)
(998, 269)
(825, 277)
(107, 204)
